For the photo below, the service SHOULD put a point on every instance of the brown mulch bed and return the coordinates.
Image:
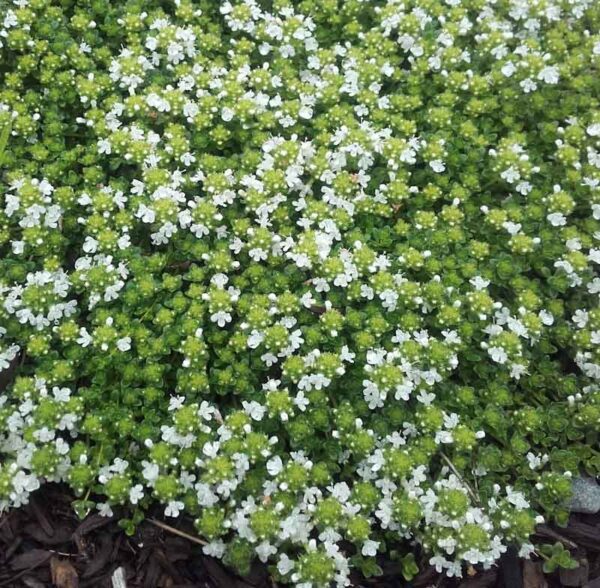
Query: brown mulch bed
(44, 545)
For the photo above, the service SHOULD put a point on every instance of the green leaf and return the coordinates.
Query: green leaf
(82, 507)
(370, 568)
(4, 134)
(409, 567)
(128, 526)
(367, 565)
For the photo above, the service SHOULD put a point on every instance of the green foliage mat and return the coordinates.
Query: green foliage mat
(322, 275)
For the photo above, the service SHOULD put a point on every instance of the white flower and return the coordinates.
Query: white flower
(176, 402)
(508, 69)
(264, 550)
(307, 300)
(254, 410)
(580, 318)
(516, 498)
(437, 165)
(104, 146)
(593, 287)
(124, 344)
(549, 74)
(221, 318)
(479, 283)
(369, 548)
(255, 339)
(211, 449)
(61, 394)
(275, 466)
(227, 114)
(206, 411)
(439, 563)
(498, 354)
(150, 471)
(7, 356)
(594, 255)
(301, 401)
(285, 565)
(512, 228)
(528, 85)
(556, 219)
(593, 130)
(511, 175)
(536, 461)
(173, 508)
(136, 494)
(85, 338)
(346, 355)
(341, 491)
(403, 391)
(425, 397)
(104, 509)
(367, 292)
(373, 396)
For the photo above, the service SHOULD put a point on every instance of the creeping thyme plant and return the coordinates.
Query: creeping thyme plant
(321, 275)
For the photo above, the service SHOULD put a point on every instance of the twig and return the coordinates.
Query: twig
(177, 532)
(546, 531)
(65, 554)
(462, 480)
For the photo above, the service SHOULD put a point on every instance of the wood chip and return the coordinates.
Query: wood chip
(118, 578)
(41, 516)
(483, 579)
(533, 576)
(30, 559)
(32, 582)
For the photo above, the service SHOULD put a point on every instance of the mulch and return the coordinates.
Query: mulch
(44, 544)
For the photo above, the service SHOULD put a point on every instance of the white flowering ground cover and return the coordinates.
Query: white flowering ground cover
(322, 275)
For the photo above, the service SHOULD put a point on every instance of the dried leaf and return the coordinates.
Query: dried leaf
(63, 573)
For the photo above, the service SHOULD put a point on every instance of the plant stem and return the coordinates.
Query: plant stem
(170, 529)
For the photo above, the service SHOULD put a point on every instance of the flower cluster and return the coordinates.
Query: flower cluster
(323, 276)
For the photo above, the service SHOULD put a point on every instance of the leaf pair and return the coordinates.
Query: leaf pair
(4, 135)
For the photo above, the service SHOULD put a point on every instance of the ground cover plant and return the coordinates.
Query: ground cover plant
(321, 275)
